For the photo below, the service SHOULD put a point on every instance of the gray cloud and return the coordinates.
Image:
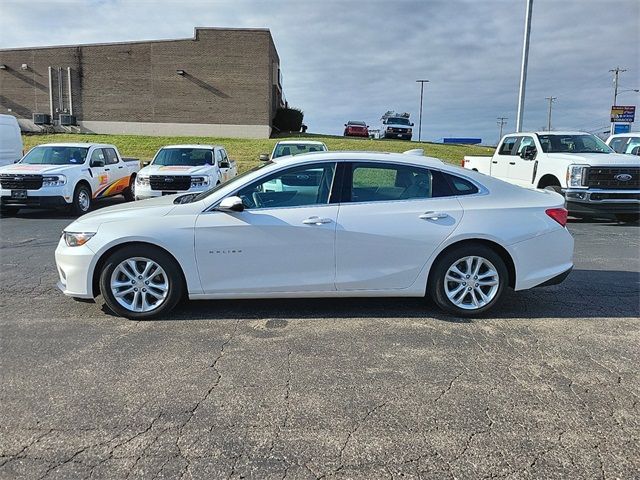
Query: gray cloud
(354, 60)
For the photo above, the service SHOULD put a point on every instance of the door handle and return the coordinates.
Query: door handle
(512, 163)
(120, 166)
(316, 221)
(494, 161)
(106, 169)
(433, 215)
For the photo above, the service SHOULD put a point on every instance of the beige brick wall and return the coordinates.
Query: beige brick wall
(228, 80)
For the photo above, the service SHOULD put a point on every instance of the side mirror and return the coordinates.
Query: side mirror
(145, 163)
(368, 126)
(224, 164)
(528, 153)
(97, 163)
(345, 124)
(264, 157)
(411, 124)
(16, 161)
(231, 204)
(635, 150)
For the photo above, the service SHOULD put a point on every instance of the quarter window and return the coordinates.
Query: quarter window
(460, 186)
(293, 187)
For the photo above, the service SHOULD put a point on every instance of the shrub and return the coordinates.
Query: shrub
(288, 119)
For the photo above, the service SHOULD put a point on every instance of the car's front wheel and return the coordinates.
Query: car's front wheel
(81, 200)
(468, 280)
(141, 282)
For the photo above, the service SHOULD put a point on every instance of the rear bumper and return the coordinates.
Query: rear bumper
(603, 202)
(557, 279)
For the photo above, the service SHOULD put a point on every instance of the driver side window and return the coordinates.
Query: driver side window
(294, 187)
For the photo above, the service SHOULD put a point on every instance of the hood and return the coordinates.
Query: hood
(176, 170)
(27, 169)
(154, 207)
(598, 159)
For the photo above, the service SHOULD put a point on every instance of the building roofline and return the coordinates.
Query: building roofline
(132, 42)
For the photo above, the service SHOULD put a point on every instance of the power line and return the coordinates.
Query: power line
(502, 121)
(551, 100)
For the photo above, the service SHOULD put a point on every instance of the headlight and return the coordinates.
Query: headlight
(76, 239)
(389, 129)
(409, 131)
(140, 180)
(576, 176)
(53, 180)
(199, 181)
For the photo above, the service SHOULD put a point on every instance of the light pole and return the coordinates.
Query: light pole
(421, 82)
(525, 62)
(551, 100)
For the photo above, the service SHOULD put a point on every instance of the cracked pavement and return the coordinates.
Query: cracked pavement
(547, 387)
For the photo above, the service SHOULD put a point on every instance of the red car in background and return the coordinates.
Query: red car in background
(356, 129)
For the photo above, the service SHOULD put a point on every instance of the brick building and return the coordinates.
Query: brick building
(222, 82)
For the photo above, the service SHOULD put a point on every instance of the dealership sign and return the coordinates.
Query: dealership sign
(623, 114)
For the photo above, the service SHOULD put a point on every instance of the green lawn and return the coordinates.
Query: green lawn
(246, 151)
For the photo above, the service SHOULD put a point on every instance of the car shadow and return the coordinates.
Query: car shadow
(59, 213)
(585, 294)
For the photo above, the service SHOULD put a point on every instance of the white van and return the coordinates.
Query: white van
(10, 140)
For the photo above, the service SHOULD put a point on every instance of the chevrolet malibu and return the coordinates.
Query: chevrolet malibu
(334, 224)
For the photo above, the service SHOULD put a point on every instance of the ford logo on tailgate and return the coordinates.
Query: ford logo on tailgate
(623, 177)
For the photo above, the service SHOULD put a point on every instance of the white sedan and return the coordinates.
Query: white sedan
(335, 224)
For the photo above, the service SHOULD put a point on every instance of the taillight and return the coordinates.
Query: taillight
(462, 162)
(558, 214)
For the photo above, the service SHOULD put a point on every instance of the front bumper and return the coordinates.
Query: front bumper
(144, 192)
(74, 267)
(34, 201)
(601, 201)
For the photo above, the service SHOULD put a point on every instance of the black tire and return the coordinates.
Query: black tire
(171, 268)
(9, 211)
(81, 200)
(436, 286)
(129, 193)
(554, 188)
(628, 217)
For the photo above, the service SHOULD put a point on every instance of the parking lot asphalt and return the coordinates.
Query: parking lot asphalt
(547, 387)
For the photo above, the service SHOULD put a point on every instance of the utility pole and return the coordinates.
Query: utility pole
(616, 72)
(523, 68)
(502, 121)
(551, 100)
(421, 82)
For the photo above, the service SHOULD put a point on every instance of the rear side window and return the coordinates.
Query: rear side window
(112, 158)
(507, 146)
(385, 182)
(460, 186)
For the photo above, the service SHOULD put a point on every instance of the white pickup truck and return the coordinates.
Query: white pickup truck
(69, 175)
(184, 169)
(593, 178)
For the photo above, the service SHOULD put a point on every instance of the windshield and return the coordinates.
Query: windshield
(55, 156)
(194, 197)
(358, 124)
(580, 143)
(187, 157)
(398, 120)
(284, 149)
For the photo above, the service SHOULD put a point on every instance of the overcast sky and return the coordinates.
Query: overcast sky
(354, 60)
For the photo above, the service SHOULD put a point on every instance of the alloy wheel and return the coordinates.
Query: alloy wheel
(139, 284)
(471, 282)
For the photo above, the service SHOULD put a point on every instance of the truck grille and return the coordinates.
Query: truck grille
(21, 182)
(398, 130)
(170, 183)
(613, 177)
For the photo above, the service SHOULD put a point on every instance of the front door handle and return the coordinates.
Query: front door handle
(512, 163)
(316, 221)
(433, 215)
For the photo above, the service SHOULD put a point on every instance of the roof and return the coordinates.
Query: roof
(300, 142)
(362, 156)
(76, 144)
(196, 145)
(628, 134)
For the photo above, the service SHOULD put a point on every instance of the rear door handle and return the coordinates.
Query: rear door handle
(106, 169)
(512, 163)
(494, 161)
(316, 221)
(433, 215)
(120, 166)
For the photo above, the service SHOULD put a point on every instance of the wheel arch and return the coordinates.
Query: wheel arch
(495, 246)
(97, 269)
(547, 180)
(85, 182)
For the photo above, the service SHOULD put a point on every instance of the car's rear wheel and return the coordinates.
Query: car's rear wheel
(129, 193)
(141, 282)
(468, 280)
